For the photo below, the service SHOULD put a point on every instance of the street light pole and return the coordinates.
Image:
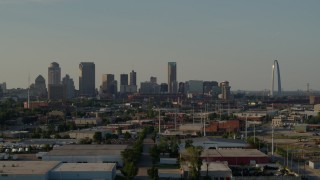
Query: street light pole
(159, 122)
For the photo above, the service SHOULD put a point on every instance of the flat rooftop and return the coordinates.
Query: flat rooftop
(170, 171)
(232, 153)
(76, 147)
(215, 166)
(85, 167)
(27, 167)
(83, 152)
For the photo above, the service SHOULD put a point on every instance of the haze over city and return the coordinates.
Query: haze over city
(235, 41)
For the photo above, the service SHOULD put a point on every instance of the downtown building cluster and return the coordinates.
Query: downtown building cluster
(60, 88)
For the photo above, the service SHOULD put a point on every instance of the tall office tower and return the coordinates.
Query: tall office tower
(109, 85)
(68, 84)
(3, 88)
(163, 88)
(103, 86)
(153, 79)
(87, 79)
(208, 87)
(54, 74)
(39, 89)
(133, 78)
(124, 79)
(172, 77)
(225, 90)
(181, 89)
(55, 88)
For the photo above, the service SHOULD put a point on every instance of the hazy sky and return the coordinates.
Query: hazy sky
(210, 40)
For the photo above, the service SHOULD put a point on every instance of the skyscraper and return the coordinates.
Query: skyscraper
(87, 79)
(68, 84)
(133, 78)
(109, 84)
(225, 90)
(172, 77)
(39, 88)
(124, 79)
(55, 88)
(54, 74)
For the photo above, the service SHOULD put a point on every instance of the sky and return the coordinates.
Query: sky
(213, 40)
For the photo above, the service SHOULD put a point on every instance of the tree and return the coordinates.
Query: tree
(97, 137)
(119, 131)
(127, 135)
(129, 170)
(188, 143)
(163, 145)
(192, 157)
(153, 173)
(154, 153)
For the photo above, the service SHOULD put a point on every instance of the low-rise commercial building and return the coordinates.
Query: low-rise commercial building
(87, 154)
(75, 171)
(22, 170)
(215, 143)
(235, 156)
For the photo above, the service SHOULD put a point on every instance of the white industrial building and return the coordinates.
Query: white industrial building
(75, 171)
(87, 154)
(54, 170)
(30, 170)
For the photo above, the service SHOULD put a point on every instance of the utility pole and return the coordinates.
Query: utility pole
(159, 122)
(254, 133)
(175, 120)
(272, 143)
(287, 157)
(247, 127)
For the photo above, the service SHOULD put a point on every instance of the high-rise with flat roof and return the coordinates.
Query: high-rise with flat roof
(54, 74)
(124, 79)
(55, 88)
(69, 87)
(133, 78)
(87, 79)
(172, 77)
(225, 90)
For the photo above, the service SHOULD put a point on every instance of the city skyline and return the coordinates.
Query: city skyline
(213, 40)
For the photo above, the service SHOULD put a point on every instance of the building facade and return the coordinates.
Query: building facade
(172, 77)
(68, 83)
(87, 79)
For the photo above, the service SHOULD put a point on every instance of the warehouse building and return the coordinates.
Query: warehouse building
(75, 171)
(22, 170)
(87, 154)
(215, 143)
(235, 156)
(54, 170)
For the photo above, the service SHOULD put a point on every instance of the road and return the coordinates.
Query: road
(145, 162)
(299, 168)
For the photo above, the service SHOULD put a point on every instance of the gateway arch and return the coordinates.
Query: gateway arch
(275, 63)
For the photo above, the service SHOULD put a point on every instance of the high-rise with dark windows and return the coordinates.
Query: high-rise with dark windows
(172, 77)
(87, 79)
